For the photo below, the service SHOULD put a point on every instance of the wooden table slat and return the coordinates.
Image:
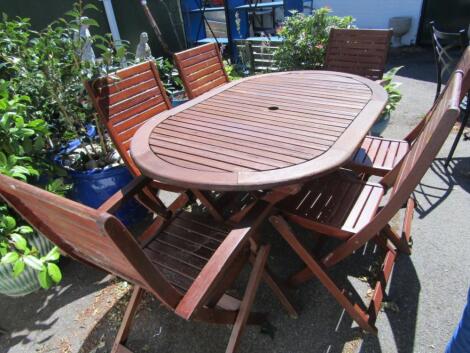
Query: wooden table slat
(276, 136)
(324, 130)
(275, 146)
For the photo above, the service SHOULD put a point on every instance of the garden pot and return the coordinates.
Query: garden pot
(178, 101)
(379, 127)
(93, 187)
(178, 98)
(27, 282)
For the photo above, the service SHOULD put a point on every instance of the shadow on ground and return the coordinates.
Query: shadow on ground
(37, 312)
(430, 196)
(322, 320)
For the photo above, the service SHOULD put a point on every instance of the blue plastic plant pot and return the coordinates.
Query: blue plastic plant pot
(93, 187)
(178, 101)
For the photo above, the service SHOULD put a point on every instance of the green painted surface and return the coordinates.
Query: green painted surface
(130, 18)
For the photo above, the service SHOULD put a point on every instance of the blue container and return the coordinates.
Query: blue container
(93, 187)
(178, 101)
(460, 341)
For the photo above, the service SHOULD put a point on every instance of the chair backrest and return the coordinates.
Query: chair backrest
(201, 69)
(358, 51)
(425, 148)
(444, 43)
(89, 235)
(406, 176)
(125, 100)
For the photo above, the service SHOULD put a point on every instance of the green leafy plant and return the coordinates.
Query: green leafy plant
(169, 75)
(47, 66)
(394, 94)
(22, 156)
(232, 71)
(305, 39)
(15, 251)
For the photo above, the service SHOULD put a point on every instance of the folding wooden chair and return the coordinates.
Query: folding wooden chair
(347, 208)
(125, 100)
(361, 52)
(378, 156)
(187, 263)
(201, 69)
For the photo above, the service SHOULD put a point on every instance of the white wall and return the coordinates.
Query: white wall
(376, 13)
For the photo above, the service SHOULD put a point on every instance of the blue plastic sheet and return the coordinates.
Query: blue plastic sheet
(460, 341)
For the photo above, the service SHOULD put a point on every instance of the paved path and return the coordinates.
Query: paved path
(427, 291)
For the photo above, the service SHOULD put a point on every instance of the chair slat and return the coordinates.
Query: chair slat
(358, 51)
(126, 99)
(201, 69)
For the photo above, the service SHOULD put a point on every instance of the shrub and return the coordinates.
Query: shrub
(305, 39)
(22, 156)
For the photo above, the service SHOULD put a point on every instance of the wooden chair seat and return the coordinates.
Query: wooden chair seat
(184, 247)
(338, 203)
(378, 156)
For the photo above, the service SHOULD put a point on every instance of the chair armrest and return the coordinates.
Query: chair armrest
(128, 191)
(213, 272)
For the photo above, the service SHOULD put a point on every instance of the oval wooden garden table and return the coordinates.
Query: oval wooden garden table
(260, 132)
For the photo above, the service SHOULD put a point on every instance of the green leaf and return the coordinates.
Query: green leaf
(34, 262)
(90, 22)
(90, 7)
(18, 267)
(44, 279)
(19, 241)
(3, 159)
(52, 255)
(10, 257)
(9, 223)
(54, 272)
(25, 230)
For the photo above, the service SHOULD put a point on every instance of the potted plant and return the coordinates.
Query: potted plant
(28, 260)
(394, 97)
(171, 81)
(50, 66)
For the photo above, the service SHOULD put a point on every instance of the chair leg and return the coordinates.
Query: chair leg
(398, 241)
(123, 333)
(439, 84)
(248, 298)
(280, 292)
(300, 277)
(459, 133)
(354, 310)
(209, 204)
(305, 274)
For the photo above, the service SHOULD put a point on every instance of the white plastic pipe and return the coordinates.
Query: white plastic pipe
(108, 8)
